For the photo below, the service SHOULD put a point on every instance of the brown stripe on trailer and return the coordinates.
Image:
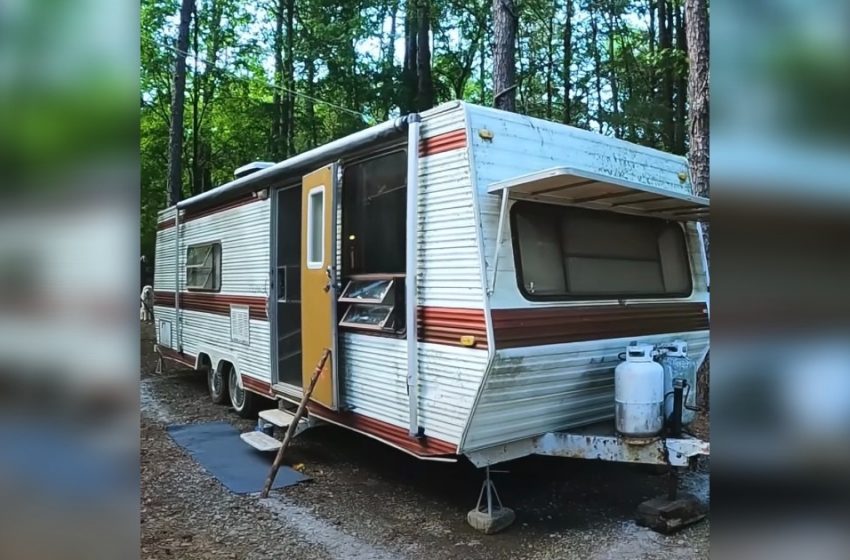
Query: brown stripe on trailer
(257, 385)
(191, 214)
(535, 327)
(384, 432)
(215, 303)
(446, 325)
(438, 325)
(443, 142)
(174, 355)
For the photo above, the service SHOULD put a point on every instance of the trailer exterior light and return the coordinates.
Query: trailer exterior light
(467, 340)
(485, 133)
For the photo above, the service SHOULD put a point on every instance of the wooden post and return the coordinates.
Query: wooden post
(290, 431)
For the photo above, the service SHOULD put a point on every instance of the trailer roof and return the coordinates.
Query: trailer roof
(587, 189)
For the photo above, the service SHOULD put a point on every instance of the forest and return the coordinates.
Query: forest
(247, 81)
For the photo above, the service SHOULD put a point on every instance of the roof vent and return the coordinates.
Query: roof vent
(252, 167)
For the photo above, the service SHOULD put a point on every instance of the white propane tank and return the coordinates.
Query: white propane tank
(639, 393)
(676, 363)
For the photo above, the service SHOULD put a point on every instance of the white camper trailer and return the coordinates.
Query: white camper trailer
(475, 274)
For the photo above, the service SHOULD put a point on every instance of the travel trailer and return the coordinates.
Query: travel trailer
(476, 274)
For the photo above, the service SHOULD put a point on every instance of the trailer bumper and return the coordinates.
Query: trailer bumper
(597, 442)
(653, 451)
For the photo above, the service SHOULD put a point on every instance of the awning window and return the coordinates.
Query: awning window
(586, 189)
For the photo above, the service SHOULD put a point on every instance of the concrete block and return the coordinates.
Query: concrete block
(667, 516)
(488, 524)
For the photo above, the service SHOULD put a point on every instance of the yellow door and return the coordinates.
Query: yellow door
(318, 290)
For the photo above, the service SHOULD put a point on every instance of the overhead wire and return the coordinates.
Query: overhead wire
(367, 118)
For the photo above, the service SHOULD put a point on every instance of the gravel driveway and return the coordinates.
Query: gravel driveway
(367, 500)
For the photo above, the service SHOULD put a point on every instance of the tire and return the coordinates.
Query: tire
(245, 403)
(217, 383)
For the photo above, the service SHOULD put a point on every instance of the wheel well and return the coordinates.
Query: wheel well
(203, 362)
(224, 367)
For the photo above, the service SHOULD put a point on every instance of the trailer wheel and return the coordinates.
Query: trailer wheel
(217, 383)
(245, 403)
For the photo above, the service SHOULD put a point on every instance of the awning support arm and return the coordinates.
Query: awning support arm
(499, 232)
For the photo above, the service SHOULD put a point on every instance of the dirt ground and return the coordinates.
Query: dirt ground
(367, 500)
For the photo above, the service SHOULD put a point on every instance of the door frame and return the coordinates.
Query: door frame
(274, 293)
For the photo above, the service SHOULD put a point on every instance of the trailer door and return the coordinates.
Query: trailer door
(318, 282)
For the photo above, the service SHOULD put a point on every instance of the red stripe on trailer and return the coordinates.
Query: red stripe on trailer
(218, 304)
(257, 385)
(446, 325)
(181, 357)
(514, 328)
(443, 143)
(437, 325)
(384, 432)
(190, 215)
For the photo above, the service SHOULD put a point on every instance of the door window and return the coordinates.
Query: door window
(316, 228)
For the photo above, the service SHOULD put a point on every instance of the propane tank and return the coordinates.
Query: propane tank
(677, 365)
(639, 393)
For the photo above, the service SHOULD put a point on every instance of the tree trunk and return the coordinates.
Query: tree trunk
(504, 54)
(681, 84)
(409, 78)
(309, 108)
(696, 19)
(651, 9)
(568, 62)
(425, 97)
(278, 130)
(597, 66)
(196, 173)
(178, 91)
(482, 75)
(289, 63)
(612, 77)
(665, 24)
(550, 63)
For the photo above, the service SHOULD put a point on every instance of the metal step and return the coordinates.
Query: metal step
(280, 418)
(260, 441)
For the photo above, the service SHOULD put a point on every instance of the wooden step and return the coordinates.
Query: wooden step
(260, 441)
(280, 418)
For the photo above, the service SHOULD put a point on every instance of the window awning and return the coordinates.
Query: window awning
(586, 189)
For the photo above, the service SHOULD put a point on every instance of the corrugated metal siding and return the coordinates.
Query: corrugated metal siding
(243, 232)
(375, 368)
(530, 391)
(374, 373)
(449, 260)
(523, 145)
(533, 390)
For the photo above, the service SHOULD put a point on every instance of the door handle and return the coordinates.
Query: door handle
(330, 273)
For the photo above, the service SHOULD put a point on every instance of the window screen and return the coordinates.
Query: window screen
(374, 199)
(203, 267)
(570, 253)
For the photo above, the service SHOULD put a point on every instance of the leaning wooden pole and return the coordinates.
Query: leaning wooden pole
(290, 431)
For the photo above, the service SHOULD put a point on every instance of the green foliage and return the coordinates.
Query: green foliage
(347, 74)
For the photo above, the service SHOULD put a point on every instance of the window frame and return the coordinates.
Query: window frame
(548, 209)
(216, 270)
(361, 159)
(311, 263)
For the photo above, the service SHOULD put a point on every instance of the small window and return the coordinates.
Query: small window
(374, 303)
(572, 253)
(316, 228)
(366, 291)
(203, 267)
